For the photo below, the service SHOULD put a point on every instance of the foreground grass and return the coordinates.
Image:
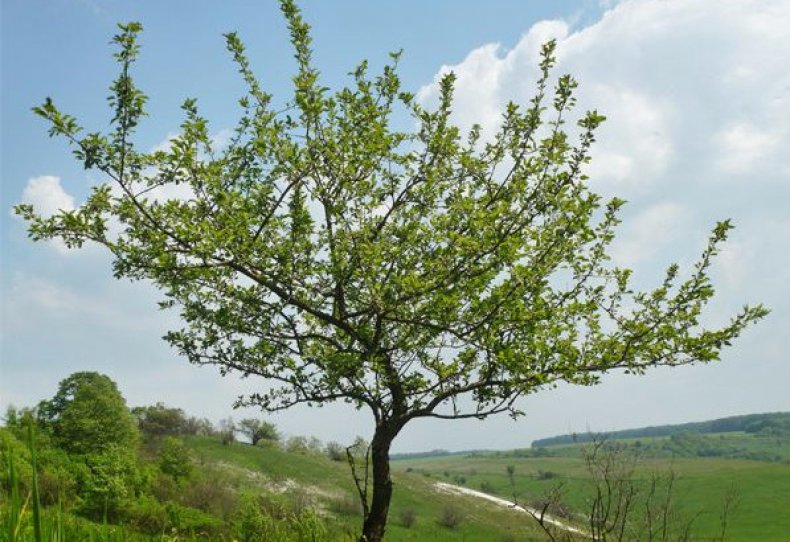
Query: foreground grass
(763, 489)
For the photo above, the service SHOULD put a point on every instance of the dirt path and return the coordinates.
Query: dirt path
(458, 490)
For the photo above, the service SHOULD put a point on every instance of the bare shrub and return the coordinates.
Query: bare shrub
(407, 517)
(346, 506)
(450, 517)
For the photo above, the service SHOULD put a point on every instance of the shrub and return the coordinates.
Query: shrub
(546, 475)
(211, 493)
(165, 488)
(150, 516)
(107, 481)
(486, 486)
(301, 500)
(147, 515)
(335, 451)
(407, 517)
(347, 506)
(450, 517)
(296, 445)
(255, 522)
(554, 507)
(227, 431)
(174, 458)
(187, 519)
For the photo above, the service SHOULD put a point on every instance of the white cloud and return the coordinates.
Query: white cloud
(743, 146)
(690, 86)
(48, 198)
(47, 195)
(653, 229)
(735, 261)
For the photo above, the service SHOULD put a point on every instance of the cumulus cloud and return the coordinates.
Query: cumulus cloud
(47, 195)
(689, 85)
(743, 147)
(649, 232)
(697, 98)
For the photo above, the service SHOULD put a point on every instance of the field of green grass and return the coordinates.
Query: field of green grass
(312, 481)
(731, 445)
(763, 488)
(330, 486)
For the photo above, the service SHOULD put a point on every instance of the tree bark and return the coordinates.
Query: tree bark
(376, 520)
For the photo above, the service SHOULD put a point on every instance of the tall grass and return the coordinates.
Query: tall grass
(36, 500)
(13, 509)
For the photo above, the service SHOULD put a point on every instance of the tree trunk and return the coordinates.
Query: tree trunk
(376, 520)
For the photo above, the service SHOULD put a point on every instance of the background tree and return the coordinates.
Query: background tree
(335, 451)
(159, 420)
(198, 426)
(88, 415)
(89, 420)
(257, 430)
(174, 458)
(227, 431)
(418, 274)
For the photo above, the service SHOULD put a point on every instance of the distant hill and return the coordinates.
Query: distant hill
(767, 424)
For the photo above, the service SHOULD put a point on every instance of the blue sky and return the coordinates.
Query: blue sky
(698, 99)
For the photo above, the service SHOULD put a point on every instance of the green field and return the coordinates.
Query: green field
(331, 486)
(304, 485)
(763, 488)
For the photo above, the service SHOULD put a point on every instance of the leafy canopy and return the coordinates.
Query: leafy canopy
(343, 259)
(257, 430)
(88, 415)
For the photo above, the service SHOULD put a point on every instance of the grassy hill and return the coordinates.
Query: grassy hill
(296, 489)
(762, 513)
(773, 424)
(706, 466)
(283, 484)
(327, 485)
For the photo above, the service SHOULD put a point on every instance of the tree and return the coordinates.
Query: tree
(417, 274)
(174, 458)
(89, 420)
(257, 430)
(227, 430)
(88, 415)
(335, 451)
(158, 420)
